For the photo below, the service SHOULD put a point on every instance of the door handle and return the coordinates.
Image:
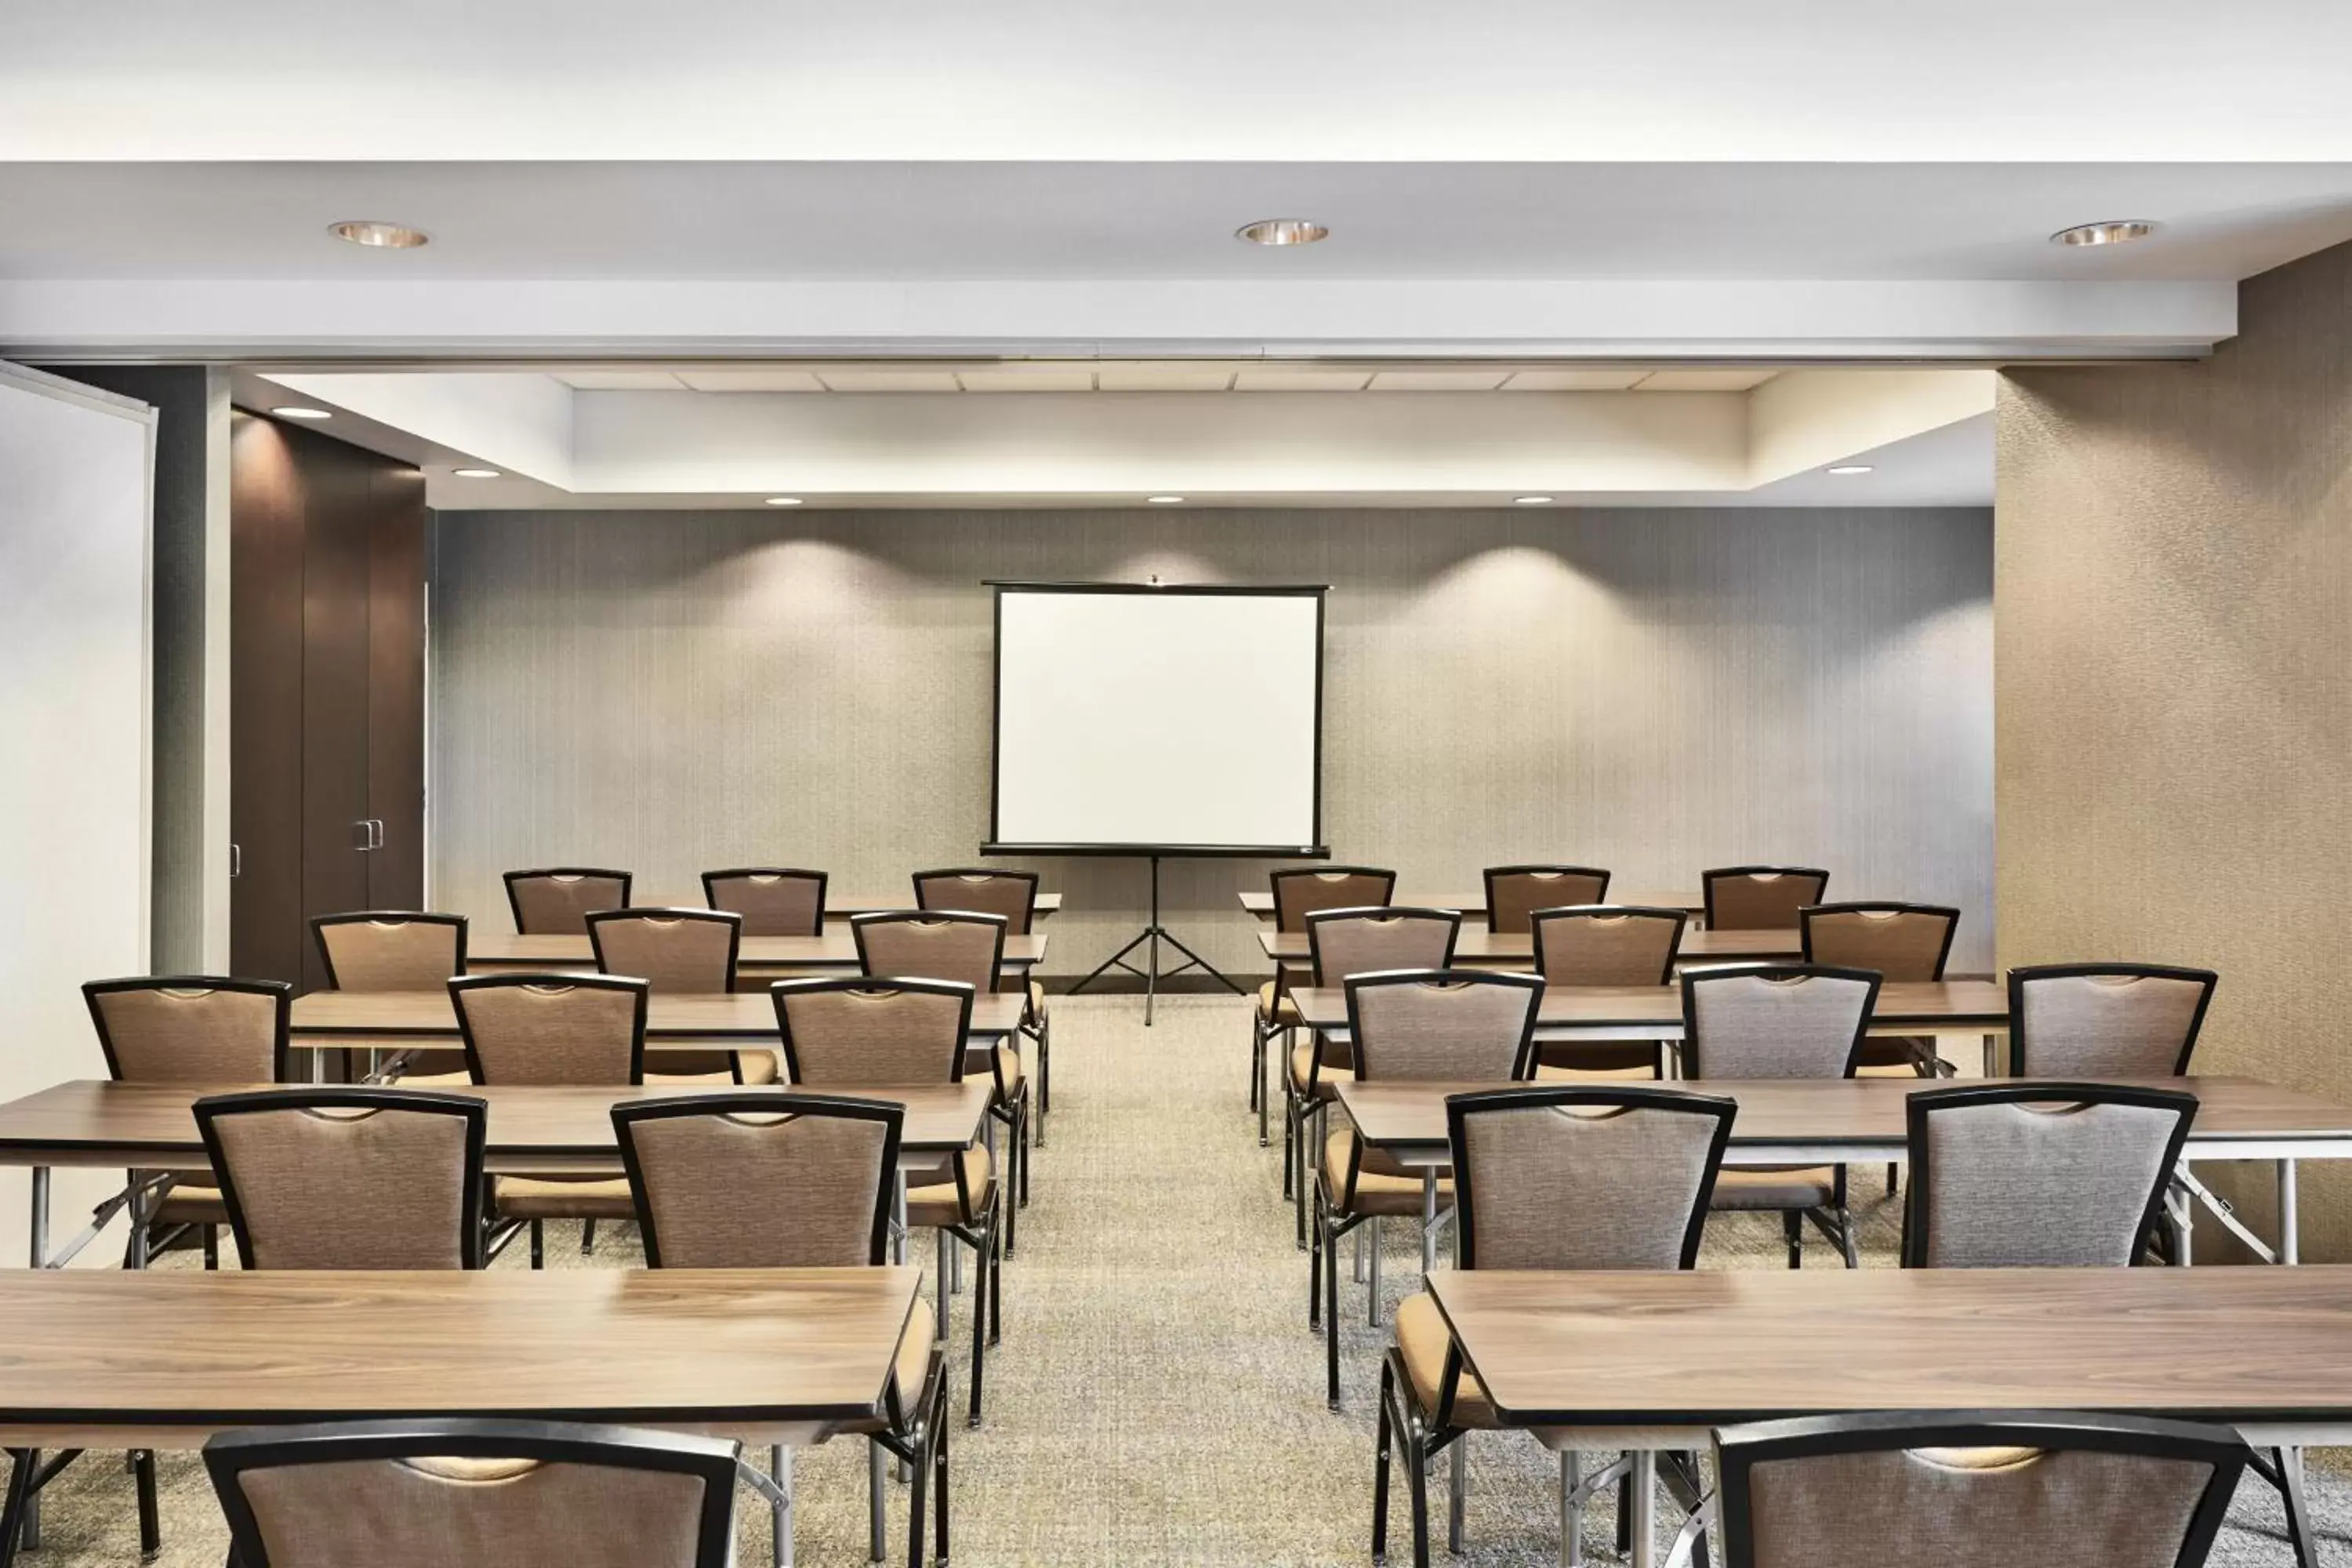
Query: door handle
(377, 842)
(237, 859)
(367, 835)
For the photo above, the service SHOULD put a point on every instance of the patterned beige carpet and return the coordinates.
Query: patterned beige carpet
(1157, 1398)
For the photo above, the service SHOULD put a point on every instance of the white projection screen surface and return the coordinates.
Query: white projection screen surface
(1145, 719)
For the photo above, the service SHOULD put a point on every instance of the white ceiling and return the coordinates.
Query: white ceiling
(1164, 376)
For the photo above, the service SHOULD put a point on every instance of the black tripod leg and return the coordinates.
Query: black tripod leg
(1202, 964)
(1115, 960)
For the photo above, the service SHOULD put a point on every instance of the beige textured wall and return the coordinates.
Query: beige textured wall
(2175, 682)
(1654, 692)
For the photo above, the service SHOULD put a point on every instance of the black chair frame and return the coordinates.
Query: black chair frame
(514, 904)
(710, 880)
(2019, 1041)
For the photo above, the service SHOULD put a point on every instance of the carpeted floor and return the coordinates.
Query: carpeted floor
(1157, 1398)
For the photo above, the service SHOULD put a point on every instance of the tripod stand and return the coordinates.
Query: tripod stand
(1149, 939)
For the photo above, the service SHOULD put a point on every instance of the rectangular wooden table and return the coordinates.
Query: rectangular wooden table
(1475, 947)
(1261, 904)
(840, 907)
(761, 957)
(356, 1020)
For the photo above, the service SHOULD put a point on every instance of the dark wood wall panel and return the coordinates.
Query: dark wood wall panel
(396, 737)
(266, 512)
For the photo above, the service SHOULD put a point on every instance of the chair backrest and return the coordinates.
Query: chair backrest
(551, 1028)
(1760, 898)
(474, 1494)
(556, 900)
(2038, 1175)
(1300, 891)
(942, 944)
(2106, 1020)
(390, 950)
(1515, 892)
(191, 1029)
(761, 1179)
(773, 900)
(1012, 894)
(1583, 1175)
(349, 1178)
(873, 1034)
(1866, 1491)
(1443, 1026)
(677, 952)
(1902, 941)
(1775, 1020)
(1340, 942)
(1608, 944)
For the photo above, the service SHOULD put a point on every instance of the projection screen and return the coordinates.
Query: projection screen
(1145, 719)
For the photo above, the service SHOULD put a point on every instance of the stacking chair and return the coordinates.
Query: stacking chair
(1340, 942)
(474, 1494)
(1298, 891)
(771, 900)
(1861, 1491)
(2106, 1020)
(1014, 895)
(1760, 898)
(349, 1178)
(682, 952)
(393, 950)
(1514, 893)
(1903, 943)
(794, 1181)
(557, 900)
(1423, 1026)
(1599, 1175)
(554, 1029)
(1781, 1021)
(893, 1033)
(1606, 945)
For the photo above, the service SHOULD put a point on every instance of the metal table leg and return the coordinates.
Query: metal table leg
(2290, 1244)
(1645, 1509)
(40, 1228)
(1428, 1223)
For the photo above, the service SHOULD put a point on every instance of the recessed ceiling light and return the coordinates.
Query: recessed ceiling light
(1165, 501)
(2117, 231)
(291, 413)
(1283, 231)
(1844, 469)
(1531, 501)
(783, 501)
(476, 473)
(380, 235)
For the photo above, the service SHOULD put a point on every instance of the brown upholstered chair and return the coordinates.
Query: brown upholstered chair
(1408, 1025)
(395, 950)
(821, 1168)
(349, 1178)
(474, 1494)
(1860, 1491)
(557, 900)
(1298, 892)
(1904, 943)
(774, 901)
(681, 952)
(554, 1029)
(1781, 1021)
(1514, 893)
(1014, 895)
(2106, 1020)
(1606, 945)
(1760, 898)
(1593, 1175)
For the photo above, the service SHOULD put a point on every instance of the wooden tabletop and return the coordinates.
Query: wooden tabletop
(1679, 1350)
(836, 949)
(1866, 1116)
(92, 1121)
(183, 1352)
(1474, 945)
(842, 906)
(1658, 1009)
(359, 1015)
(1261, 904)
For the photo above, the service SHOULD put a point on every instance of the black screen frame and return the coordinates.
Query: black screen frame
(996, 845)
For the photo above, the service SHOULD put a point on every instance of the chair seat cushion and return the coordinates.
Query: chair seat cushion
(1633, 1059)
(563, 1197)
(1644, 1073)
(1037, 998)
(1776, 1187)
(461, 1079)
(1383, 1186)
(192, 1200)
(1276, 1013)
(757, 1068)
(1421, 1339)
(1339, 1061)
(912, 1364)
(932, 1197)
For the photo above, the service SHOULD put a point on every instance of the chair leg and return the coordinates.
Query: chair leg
(1258, 1070)
(1572, 1509)
(1625, 1513)
(996, 1295)
(1416, 1480)
(538, 1244)
(939, 1481)
(780, 1508)
(211, 1246)
(151, 1528)
(1373, 1276)
(1457, 1499)
(878, 1544)
(1381, 1467)
(1330, 1310)
(1314, 1279)
(21, 1465)
(2298, 1512)
(1792, 1225)
(1845, 1240)
(915, 1519)
(587, 1238)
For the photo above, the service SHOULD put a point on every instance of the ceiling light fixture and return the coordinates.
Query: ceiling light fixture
(1165, 501)
(2116, 231)
(293, 412)
(476, 473)
(1283, 231)
(1843, 469)
(1531, 501)
(377, 235)
(783, 501)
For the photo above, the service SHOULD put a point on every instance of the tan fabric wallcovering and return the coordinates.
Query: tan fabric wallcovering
(1652, 691)
(2174, 670)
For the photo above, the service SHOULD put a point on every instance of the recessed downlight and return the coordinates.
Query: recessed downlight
(1283, 231)
(293, 412)
(476, 473)
(1164, 501)
(1531, 501)
(783, 501)
(1843, 469)
(2114, 231)
(377, 235)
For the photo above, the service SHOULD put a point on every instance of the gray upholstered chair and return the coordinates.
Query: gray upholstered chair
(1514, 893)
(682, 952)
(1760, 898)
(1781, 1021)
(773, 900)
(556, 900)
(1410, 1026)
(1014, 895)
(393, 950)
(349, 1178)
(1588, 1175)
(2106, 1020)
(794, 1181)
(2038, 1175)
(1298, 891)
(1863, 1492)
(474, 1494)
(1606, 945)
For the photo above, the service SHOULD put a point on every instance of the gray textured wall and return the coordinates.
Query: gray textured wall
(2175, 656)
(1654, 692)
